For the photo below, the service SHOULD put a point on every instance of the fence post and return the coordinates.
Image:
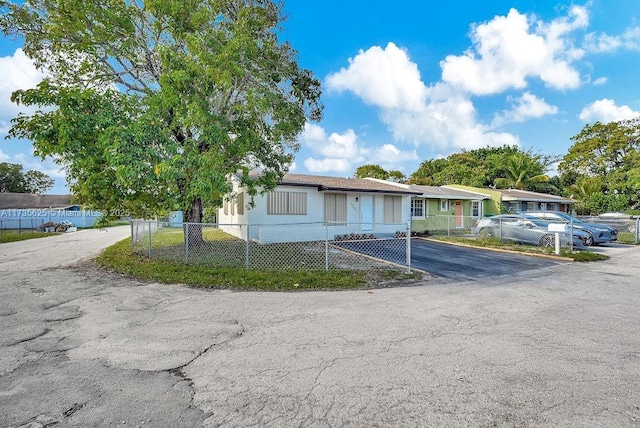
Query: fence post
(149, 238)
(246, 248)
(132, 246)
(638, 230)
(326, 247)
(408, 243)
(448, 225)
(571, 236)
(186, 243)
(19, 226)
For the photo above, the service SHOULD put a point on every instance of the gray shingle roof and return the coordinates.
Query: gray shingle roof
(30, 200)
(447, 193)
(524, 195)
(343, 184)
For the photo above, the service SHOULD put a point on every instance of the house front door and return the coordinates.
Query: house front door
(366, 212)
(458, 214)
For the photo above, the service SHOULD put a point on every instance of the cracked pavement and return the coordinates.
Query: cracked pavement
(558, 346)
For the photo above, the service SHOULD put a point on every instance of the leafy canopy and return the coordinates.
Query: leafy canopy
(151, 105)
(12, 179)
(376, 171)
(609, 155)
(477, 168)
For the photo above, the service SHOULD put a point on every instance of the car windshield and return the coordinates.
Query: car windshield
(570, 218)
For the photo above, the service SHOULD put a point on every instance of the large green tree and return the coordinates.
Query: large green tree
(478, 167)
(153, 104)
(376, 171)
(373, 171)
(608, 153)
(37, 182)
(12, 179)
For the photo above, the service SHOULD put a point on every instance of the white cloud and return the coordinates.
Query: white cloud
(510, 49)
(605, 111)
(342, 152)
(335, 145)
(18, 72)
(327, 164)
(526, 107)
(437, 116)
(389, 154)
(381, 77)
(600, 81)
(603, 42)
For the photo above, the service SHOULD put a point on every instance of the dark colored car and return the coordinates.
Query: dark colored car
(600, 233)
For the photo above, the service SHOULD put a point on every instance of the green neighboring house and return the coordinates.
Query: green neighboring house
(442, 208)
(514, 200)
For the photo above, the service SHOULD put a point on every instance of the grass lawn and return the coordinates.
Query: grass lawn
(219, 261)
(627, 238)
(14, 235)
(491, 242)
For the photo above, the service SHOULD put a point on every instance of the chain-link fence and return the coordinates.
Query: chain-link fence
(301, 246)
(534, 234)
(628, 228)
(450, 225)
(19, 225)
(513, 230)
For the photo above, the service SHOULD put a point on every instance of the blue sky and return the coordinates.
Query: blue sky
(427, 79)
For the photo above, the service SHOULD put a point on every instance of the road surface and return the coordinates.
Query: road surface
(78, 347)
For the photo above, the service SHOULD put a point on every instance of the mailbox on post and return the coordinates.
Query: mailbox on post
(557, 228)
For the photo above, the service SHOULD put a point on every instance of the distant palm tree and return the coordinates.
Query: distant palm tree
(518, 172)
(585, 187)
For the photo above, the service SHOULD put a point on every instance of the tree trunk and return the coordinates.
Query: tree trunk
(194, 215)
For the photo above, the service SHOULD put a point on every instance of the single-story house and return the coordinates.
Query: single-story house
(460, 207)
(513, 200)
(436, 208)
(28, 211)
(311, 208)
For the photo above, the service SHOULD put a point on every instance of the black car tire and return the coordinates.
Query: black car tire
(589, 241)
(487, 232)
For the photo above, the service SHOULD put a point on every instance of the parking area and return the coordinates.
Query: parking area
(465, 263)
(81, 347)
(451, 261)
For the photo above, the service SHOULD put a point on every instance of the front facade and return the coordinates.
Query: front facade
(514, 200)
(440, 208)
(311, 208)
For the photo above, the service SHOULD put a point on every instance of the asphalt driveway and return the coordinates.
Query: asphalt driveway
(463, 263)
(81, 347)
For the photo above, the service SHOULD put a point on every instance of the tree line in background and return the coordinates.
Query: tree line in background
(601, 169)
(12, 179)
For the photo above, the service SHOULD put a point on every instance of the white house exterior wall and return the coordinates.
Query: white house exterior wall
(266, 228)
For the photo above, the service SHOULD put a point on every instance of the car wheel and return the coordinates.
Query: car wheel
(589, 241)
(547, 241)
(486, 232)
